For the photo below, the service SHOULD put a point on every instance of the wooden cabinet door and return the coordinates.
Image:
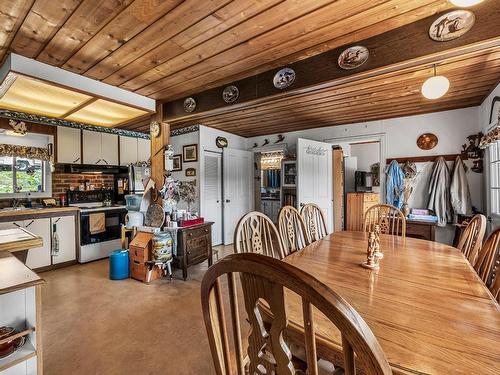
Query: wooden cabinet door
(40, 256)
(128, 150)
(143, 149)
(69, 145)
(11, 225)
(109, 149)
(92, 147)
(65, 227)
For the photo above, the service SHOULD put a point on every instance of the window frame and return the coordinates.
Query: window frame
(46, 183)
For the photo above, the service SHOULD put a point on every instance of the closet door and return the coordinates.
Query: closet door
(212, 194)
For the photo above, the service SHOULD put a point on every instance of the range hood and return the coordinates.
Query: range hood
(30, 86)
(91, 168)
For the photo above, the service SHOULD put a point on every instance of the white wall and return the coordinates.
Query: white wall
(400, 136)
(367, 154)
(178, 141)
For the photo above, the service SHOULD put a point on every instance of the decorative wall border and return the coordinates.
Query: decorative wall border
(186, 130)
(21, 116)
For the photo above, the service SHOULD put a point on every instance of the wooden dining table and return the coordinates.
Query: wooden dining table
(425, 304)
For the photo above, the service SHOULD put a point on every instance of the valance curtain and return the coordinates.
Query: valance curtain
(27, 152)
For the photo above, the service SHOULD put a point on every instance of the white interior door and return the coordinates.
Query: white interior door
(314, 176)
(212, 194)
(238, 189)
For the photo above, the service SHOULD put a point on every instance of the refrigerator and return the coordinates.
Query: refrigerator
(137, 175)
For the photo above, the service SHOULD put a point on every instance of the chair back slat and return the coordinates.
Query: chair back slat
(472, 237)
(292, 230)
(390, 219)
(487, 256)
(348, 352)
(309, 336)
(236, 326)
(264, 281)
(495, 287)
(314, 220)
(256, 233)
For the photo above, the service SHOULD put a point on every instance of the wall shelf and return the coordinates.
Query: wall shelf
(425, 159)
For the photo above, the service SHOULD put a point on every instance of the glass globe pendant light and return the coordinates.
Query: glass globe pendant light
(465, 3)
(435, 86)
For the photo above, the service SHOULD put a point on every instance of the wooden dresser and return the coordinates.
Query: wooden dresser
(357, 204)
(194, 245)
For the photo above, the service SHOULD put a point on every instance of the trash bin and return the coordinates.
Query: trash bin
(118, 265)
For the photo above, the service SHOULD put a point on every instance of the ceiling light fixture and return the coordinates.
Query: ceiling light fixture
(465, 3)
(435, 86)
(30, 86)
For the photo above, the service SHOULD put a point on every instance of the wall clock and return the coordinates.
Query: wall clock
(427, 141)
(154, 128)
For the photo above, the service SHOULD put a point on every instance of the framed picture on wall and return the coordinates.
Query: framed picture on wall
(189, 153)
(177, 163)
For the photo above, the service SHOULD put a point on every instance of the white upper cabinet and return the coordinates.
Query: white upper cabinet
(68, 145)
(143, 149)
(109, 149)
(100, 148)
(128, 150)
(91, 147)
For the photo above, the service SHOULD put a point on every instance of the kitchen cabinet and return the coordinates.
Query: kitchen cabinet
(128, 150)
(109, 149)
(143, 149)
(39, 257)
(100, 148)
(65, 228)
(91, 147)
(69, 145)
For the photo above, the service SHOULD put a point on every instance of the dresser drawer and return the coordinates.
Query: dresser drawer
(195, 233)
(372, 198)
(197, 249)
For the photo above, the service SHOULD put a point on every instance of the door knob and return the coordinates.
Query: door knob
(218, 201)
(228, 201)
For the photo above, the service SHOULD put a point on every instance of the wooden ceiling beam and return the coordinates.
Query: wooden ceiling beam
(350, 28)
(393, 48)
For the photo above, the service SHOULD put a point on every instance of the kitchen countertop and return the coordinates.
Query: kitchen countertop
(14, 275)
(33, 213)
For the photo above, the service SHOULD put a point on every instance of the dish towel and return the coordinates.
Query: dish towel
(439, 192)
(97, 223)
(459, 189)
(395, 184)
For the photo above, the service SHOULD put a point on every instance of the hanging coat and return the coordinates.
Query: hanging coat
(459, 189)
(439, 192)
(395, 184)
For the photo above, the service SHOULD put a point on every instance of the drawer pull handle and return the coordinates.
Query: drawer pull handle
(189, 252)
(206, 230)
(190, 234)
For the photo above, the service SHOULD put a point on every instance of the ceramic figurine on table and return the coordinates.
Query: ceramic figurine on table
(377, 231)
(371, 260)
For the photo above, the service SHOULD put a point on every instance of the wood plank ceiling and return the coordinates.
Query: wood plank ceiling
(169, 49)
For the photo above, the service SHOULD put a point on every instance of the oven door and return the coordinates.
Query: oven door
(114, 221)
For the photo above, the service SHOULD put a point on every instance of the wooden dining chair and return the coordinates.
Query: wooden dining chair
(292, 230)
(263, 281)
(495, 287)
(487, 256)
(390, 218)
(315, 221)
(472, 238)
(256, 233)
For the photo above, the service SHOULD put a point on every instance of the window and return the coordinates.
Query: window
(21, 175)
(494, 151)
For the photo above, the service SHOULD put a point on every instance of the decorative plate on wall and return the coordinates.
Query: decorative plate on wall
(353, 57)
(284, 78)
(189, 104)
(452, 25)
(154, 128)
(427, 141)
(230, 94)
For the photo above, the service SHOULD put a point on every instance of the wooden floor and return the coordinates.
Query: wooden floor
(92, 325)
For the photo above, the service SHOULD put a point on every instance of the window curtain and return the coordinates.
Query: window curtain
(27, 152)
